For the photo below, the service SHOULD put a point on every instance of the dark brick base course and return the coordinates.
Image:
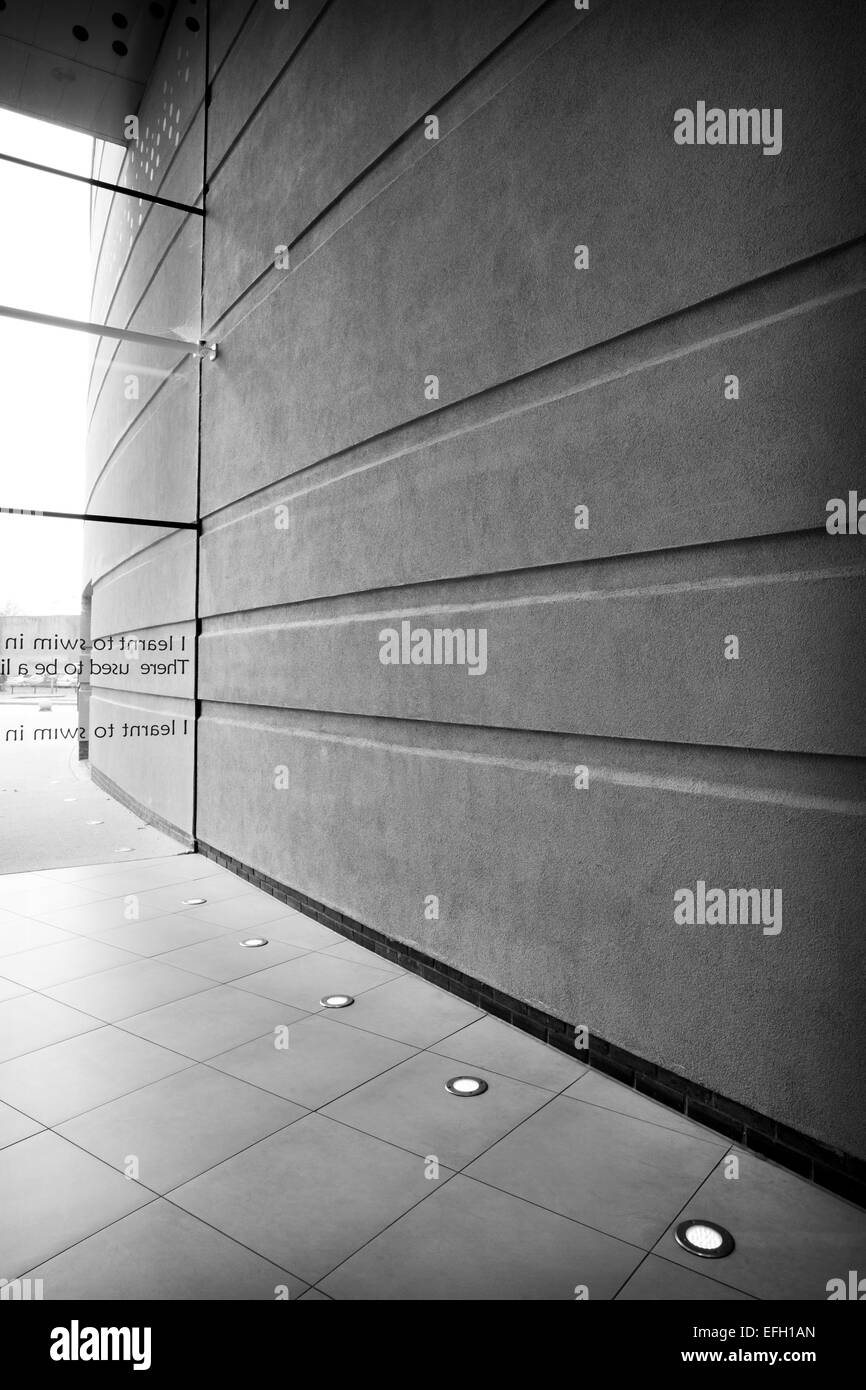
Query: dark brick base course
(833, 1169)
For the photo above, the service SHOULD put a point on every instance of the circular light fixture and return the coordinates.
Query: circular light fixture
(255, 941)
(466, 1086)
(94, 822)
(337, 1001)
(193, 902)
(704, 1238)
(123, 849)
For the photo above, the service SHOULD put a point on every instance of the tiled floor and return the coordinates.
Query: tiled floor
(179, 1118)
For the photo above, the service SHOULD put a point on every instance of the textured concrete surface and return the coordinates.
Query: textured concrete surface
(558, 387)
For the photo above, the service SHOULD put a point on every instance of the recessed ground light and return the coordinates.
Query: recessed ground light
(70, 798)
(193, 902)
(255, 941)
(123, 849)
(337, 1001)
(704, 1238)
(466, 1086)
(94, 822)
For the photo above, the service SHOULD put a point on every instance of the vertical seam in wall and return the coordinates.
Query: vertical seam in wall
(201, 360)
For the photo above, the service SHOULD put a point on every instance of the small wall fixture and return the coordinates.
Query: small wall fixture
(466, 1086)
(704, 1238)
(336, 1001)
(255, 941)
(193, 902)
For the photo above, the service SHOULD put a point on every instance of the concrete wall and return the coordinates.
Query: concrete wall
(558, 387)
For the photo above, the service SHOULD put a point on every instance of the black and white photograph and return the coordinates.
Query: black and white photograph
(432, 672)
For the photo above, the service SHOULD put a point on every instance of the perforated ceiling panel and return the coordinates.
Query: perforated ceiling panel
(79, 63)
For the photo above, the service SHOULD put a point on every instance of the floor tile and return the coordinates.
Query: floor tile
(102, 916)
(297, 930)
(71, 960)
(253, 909)
(14, 1126)
(48, 897)
(212, 1022)
(350, 950)
(157, 935)
(31, 1021)
(595, 1089)
(178, 1127)
(791, 1237)
(61, 1196)
(309, 1196)
(305, 981)
(320, 1062)
(409, 1106)
(25, 934)
(172, 897)
(69, 1077)
(128, 989)
(132, 879)
(411, 1011)
(469, 1242)
(10, 989)
(661, 1281)
(219, 886)
(315, 1295)
(14, 885)
(618, 1174)
(224, 958)
(176, 1258)
(503, 1049)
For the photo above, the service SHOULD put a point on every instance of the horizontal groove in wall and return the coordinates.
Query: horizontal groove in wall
(176, 378)
(135, 699)
(541, 31)
(795, 557)
(795, 290)
(835, 783)
(269, 89)
(828, 1167)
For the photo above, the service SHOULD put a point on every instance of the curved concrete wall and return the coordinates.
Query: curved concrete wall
(338, 499)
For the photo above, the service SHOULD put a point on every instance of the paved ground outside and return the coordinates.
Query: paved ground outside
(180, 1118)
(51, 814)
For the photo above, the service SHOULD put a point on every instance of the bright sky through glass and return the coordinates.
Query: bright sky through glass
(44, 266)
